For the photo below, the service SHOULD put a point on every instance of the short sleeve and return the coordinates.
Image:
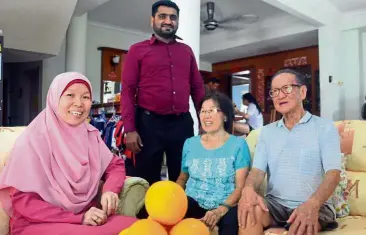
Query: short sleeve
(186, 148)
(252, 109)
(243, 156)
(330, 148)
(260, 161)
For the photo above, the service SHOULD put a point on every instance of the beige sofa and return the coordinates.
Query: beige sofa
(353, 144)
(134, 191)
(131, 198)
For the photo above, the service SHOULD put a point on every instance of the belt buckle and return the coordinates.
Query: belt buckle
(147, 112)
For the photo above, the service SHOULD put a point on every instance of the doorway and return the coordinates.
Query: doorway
(22, 86)
(240, 84)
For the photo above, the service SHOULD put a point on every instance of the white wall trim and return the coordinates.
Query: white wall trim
(354, 20)
(119, 29)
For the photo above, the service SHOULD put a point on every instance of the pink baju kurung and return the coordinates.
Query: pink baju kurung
(34, 216)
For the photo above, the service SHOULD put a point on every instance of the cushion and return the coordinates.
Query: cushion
(132, 197)
(8, 136)
(339, 197)
(350, 226)
(354, 144)
(356, 191)
(252, 140)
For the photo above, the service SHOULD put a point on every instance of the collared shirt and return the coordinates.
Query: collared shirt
(296, 161)
(159, 77)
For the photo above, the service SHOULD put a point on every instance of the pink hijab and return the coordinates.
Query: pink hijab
(61, 163)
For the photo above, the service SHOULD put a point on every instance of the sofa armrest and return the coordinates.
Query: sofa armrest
(132, 196)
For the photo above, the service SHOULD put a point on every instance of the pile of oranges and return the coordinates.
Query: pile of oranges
(166, 204)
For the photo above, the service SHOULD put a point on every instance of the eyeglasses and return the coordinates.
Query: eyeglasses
(286, 89)
(210, 112)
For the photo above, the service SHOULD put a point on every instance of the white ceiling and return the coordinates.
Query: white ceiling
(264, 47)
(226, 8)
(84, 6)
(349, 5)
(127, 14)
(35, 26)
(136, 14)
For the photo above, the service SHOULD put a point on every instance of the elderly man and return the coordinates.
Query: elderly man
(301, 156)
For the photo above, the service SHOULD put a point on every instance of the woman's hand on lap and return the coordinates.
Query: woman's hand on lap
(94, 217)
(211, 218)
(109, 202)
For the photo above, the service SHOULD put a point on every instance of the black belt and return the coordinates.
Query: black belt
(151, 113)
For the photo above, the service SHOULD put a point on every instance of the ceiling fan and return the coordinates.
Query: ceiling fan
(211, 24)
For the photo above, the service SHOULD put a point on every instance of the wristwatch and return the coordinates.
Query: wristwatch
(226, 205)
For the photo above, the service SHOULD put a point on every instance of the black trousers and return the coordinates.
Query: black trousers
(228, 225)
(159, 134)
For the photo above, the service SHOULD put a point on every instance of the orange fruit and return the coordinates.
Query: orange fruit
(191, 227)
(145, 227)
(166, 202)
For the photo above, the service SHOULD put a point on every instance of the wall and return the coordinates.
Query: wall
(351, 77)
(341, 56)
(51, 68)
(363, 68)
(205, 66)
(265, 65)
(100, 35)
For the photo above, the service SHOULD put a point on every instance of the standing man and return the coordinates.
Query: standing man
(158, 77)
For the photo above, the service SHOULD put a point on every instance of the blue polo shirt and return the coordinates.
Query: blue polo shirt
(296, 161)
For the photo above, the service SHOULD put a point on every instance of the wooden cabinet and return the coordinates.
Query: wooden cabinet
(112, 65)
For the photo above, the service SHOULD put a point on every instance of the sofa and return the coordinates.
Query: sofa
(353, 146)
(131, 197)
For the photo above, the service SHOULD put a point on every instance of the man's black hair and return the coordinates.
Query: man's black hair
(166, 3)
(300, 77)
(214, 80)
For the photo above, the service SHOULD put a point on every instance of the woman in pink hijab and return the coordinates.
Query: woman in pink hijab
(50, 183)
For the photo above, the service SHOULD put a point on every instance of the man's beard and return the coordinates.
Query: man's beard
(165, 34)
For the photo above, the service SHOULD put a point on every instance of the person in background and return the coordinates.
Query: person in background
(214, 167)
(158, 78)
(50, 184)
(302, 159)
(253, 116)
(213, 85)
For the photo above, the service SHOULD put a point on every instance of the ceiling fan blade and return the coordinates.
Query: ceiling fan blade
(249, 19)
(205, 31)
(230, 27)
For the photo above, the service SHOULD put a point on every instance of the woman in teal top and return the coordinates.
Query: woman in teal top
(214, 167)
